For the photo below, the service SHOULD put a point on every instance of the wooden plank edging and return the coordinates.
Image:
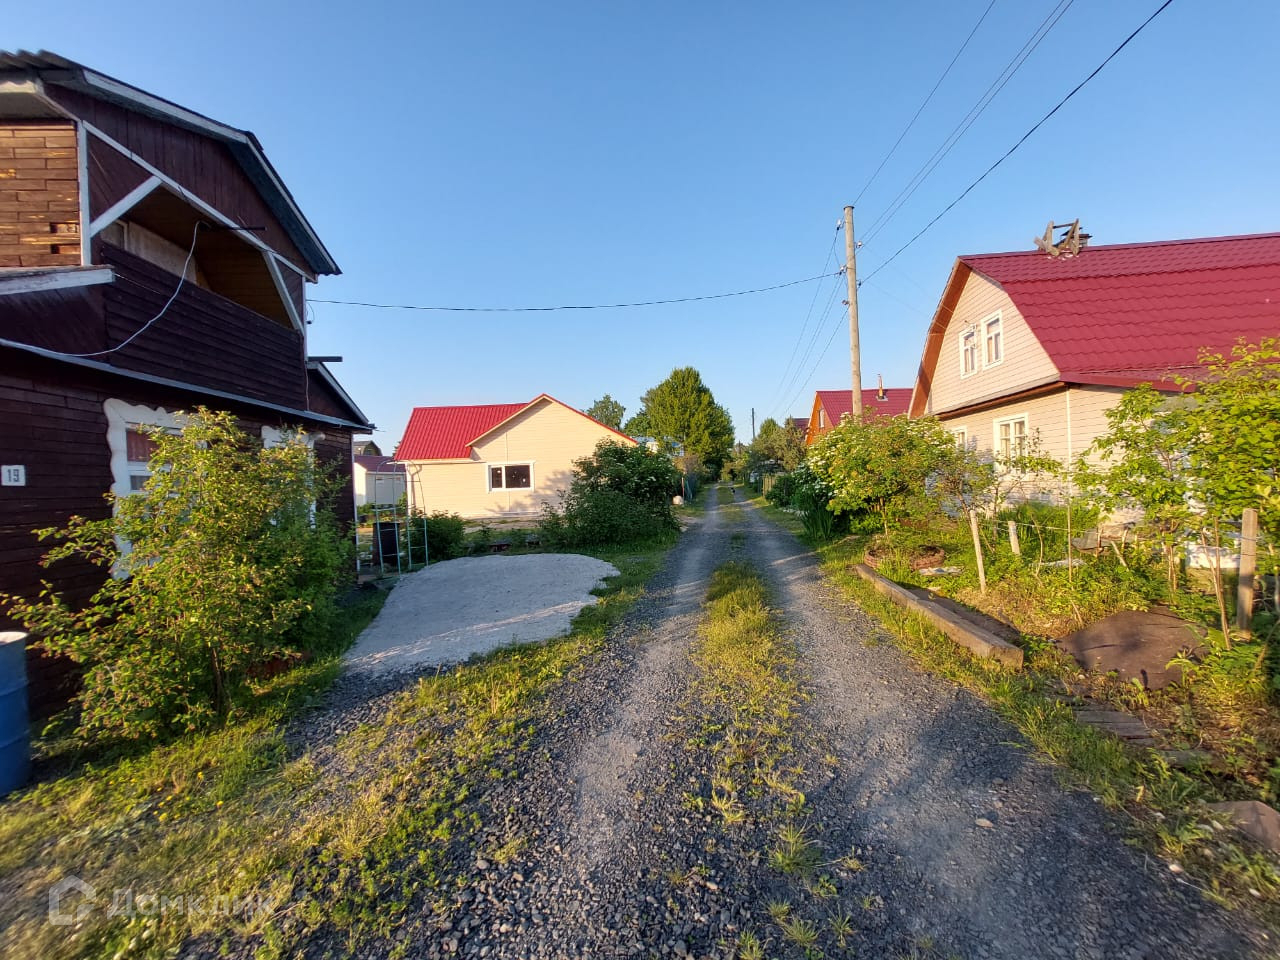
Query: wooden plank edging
(981, 642)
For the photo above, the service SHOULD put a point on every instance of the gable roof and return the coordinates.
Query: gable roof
(839, 403)
(449, 433)
(1130, 313)
(243, 145)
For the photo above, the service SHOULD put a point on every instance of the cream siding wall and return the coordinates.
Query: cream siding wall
(549, 437)
(1066, 421)
(1025, 362)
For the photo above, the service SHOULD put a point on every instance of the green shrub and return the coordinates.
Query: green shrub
(618, 495)
(445, 536)
(231, 564)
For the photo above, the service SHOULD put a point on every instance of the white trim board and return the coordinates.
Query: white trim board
(123, 205)
(55, 280)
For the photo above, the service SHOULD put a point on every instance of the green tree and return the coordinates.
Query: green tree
(782, 444)
(608, 411)
(232, 558)
(681, 411)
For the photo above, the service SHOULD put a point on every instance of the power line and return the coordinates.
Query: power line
(1023, 139)
(573, 306)
(835, 235)
(817, 332)
(923, 104)
(970, 118)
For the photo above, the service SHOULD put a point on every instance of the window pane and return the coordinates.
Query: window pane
(138, 446)
(137, 481)
(495, 478)
(518, 475)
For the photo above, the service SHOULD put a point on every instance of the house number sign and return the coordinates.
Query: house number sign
(13, 475)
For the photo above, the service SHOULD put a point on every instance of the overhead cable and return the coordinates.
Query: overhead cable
(1021, 140)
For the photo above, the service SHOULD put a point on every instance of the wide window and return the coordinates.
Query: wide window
(995, 342)
(968, 353)
(1011, 437)
(511, 476)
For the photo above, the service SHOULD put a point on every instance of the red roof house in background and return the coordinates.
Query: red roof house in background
(832, 406)
(1028, 343)
(499, 459)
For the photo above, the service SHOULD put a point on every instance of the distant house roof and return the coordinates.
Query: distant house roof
(374, 464)
(800, 423)
(1124, 314)
(449, 433)
(839, 403)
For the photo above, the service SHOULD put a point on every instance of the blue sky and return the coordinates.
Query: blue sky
(528, 154)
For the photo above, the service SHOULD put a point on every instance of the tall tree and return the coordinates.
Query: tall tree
(608, 411)
(681, 411)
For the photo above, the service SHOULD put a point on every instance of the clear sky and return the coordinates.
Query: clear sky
(518, 153)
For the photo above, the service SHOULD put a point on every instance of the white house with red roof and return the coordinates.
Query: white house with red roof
(832, 406)
(497, 460)
(1027, 343)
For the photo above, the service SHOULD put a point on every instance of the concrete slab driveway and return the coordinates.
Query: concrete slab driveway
(449, 611)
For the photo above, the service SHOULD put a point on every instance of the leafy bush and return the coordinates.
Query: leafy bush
(618, 495)
(784, 490)
(232, 560)
(445, 536)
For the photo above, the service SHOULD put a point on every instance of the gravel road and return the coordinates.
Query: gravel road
(966, 845)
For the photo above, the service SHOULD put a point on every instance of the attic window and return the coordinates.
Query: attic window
(968, 353)
(995, 342)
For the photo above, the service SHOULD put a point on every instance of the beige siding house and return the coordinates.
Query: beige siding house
(1033, 345)
(496, 460)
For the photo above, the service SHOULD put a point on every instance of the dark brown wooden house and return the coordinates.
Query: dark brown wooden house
(151, 260)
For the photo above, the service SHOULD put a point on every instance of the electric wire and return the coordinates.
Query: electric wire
(163, 310)
(572, 306)
(778, 391)
(976, 111)
(797, 384)
(1023, 139)
(800, 390)
(919, 110)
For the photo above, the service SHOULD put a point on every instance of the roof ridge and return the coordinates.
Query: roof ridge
(1126, 246)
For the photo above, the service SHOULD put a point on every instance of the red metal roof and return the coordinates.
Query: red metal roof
(1141, 312)
(447, 433)
(839, 403)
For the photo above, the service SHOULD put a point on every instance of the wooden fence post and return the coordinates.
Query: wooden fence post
(977, 551)
(1014, 545)
(1248, 564)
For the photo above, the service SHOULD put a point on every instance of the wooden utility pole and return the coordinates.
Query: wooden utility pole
(753, 423)
(851, 277)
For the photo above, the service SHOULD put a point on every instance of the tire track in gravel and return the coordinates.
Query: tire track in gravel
(920, 760)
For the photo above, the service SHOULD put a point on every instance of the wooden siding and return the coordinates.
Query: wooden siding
(112, 176)
(204, 166)
(1025, 362)
(39, 194)
(53, 423)
(202, 339)
(1066, 420)
(549, 436)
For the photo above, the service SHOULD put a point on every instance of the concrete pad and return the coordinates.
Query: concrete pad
(450, 611)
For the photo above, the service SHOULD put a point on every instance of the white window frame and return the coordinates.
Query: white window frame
(977, 353)
(961, 435)
(121, 418)
(1010, 420)
(997, 321)
(488, 475)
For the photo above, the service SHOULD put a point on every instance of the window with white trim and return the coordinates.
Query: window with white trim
(1011, 437)
(995, 341)
(962, 437)
(511, 476)
(131, 449)
(968, 353)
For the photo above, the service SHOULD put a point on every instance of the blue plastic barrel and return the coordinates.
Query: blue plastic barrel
(15, 737)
